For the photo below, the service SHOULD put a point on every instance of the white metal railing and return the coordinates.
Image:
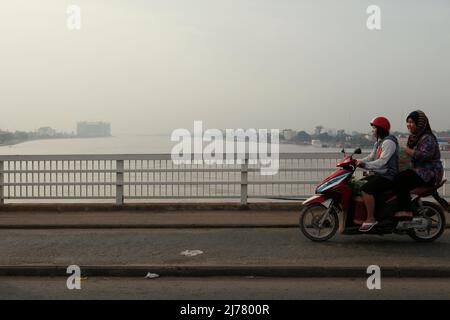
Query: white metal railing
(154, 176)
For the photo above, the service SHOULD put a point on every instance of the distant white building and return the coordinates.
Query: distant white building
(93, 129)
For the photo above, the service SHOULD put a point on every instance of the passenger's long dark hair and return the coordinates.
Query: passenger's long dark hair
(422, 127)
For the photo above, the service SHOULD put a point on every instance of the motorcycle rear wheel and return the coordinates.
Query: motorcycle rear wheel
(436, 217)
(309, 222)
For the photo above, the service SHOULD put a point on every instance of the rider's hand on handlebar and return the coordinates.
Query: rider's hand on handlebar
(359, 164)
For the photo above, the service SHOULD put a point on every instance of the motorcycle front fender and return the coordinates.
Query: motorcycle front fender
(326, 201)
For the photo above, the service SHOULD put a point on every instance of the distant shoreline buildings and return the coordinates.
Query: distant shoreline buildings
(320, 138)
(340, 138)
(84, 130)
(87, 129)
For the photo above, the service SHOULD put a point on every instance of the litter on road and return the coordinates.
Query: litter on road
(191, 253)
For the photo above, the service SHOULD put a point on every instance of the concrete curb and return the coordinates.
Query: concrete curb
(162, 207)
(220, 271)
(146, 226)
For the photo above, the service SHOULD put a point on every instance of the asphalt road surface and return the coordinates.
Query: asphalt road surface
(262, 246)
(283, 247)
(226, 288)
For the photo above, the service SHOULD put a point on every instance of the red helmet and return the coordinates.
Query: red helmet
(381, 122)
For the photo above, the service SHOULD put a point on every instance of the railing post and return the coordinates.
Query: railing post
(119, 181)
(244, 182)
(2, 194)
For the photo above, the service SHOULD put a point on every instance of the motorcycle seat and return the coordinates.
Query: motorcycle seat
(427, 189)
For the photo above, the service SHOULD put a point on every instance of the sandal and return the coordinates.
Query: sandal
(367, 226)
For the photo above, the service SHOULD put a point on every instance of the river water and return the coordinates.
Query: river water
(123, 144)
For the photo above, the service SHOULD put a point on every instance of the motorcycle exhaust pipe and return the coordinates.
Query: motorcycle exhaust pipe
(441, 201)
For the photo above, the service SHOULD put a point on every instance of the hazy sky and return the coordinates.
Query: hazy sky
(150, 66)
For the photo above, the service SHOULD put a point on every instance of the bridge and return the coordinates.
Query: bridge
(125, 238)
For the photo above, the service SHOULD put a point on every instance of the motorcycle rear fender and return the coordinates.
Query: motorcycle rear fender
(441, 201)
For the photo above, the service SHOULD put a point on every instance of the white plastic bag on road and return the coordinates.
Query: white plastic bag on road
(151, 275)
(191, 253)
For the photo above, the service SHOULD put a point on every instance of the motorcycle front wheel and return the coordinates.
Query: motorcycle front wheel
(310, 226)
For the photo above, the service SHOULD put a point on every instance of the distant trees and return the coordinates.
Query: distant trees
(21, 135)
(338, 138)
(7, 137)
(318, 130)
(324, 137)
(303, 136)
(341, 134)
(360, 140)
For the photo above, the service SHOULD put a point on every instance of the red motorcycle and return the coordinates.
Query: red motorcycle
(336, 203)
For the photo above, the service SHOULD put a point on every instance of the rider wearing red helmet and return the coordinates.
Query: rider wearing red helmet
(383, 166)
(381, 122)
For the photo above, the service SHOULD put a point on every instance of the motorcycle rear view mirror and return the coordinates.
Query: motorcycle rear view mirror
(357, 151)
